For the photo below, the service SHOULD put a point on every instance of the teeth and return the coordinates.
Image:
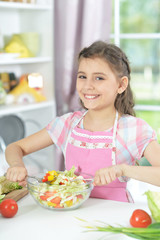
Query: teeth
(90, 97)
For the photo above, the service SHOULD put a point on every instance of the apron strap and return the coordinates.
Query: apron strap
(114, 140)
(75, 124)
(121, 179)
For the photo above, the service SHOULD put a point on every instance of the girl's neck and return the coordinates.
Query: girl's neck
(99, 120)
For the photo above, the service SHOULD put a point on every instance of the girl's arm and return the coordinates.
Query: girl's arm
(149, 174)
(15, 151)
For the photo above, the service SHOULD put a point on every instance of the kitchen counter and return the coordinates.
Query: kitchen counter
(32, 222)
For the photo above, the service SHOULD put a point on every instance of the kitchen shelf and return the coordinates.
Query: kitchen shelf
(16, 108)
(25, 60)
(24, 6)
(16, 17)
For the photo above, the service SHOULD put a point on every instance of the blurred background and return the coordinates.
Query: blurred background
(39, 44)
(136, 29)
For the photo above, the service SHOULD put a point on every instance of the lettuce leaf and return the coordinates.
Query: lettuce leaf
(153, 199)
(1, 197)
(70, 173)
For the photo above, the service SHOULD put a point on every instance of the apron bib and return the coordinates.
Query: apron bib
(90, 151)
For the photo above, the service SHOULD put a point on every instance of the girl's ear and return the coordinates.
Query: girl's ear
(123, 84)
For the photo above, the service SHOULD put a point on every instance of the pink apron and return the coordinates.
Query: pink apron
(90, 151)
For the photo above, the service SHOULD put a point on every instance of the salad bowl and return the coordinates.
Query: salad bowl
(69, 190)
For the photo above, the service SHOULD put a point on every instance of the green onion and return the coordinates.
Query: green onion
(150, 233)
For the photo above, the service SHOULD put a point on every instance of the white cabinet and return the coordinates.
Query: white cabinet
(21, 18)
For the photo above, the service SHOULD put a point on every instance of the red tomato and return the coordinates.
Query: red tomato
(56, 200)
(8, 208)
(43, 198)
(140, 219)
(79, 196)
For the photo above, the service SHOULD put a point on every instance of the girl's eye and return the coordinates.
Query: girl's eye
(99, 78)
(81, 76)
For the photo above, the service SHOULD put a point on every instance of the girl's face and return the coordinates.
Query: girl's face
(97, 85)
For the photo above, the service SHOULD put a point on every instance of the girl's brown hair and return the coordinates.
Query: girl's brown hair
(119, 64)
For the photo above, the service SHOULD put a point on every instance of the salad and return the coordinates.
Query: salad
(61, 190)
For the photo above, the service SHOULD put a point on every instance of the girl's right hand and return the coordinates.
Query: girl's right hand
(107, 175)
(17, 174)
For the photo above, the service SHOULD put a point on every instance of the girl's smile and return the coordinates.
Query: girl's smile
(90, 96)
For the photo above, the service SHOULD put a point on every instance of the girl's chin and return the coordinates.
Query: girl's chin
(94, 107)
(90, 107)
(90, 104)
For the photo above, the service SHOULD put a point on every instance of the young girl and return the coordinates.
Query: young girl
(106, 139)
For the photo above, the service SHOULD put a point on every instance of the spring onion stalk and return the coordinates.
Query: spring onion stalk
(150, 233)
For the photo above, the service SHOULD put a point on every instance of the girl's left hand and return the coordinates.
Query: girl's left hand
(107, 175)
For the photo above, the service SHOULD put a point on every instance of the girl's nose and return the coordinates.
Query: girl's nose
(89, 84)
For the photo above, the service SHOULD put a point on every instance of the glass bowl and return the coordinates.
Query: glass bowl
(70, 195)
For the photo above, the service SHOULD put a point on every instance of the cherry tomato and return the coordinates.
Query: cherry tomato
(79, 196)
(140, 219)
(8, 208)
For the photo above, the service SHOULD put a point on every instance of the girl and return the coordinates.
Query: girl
(107, 138)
